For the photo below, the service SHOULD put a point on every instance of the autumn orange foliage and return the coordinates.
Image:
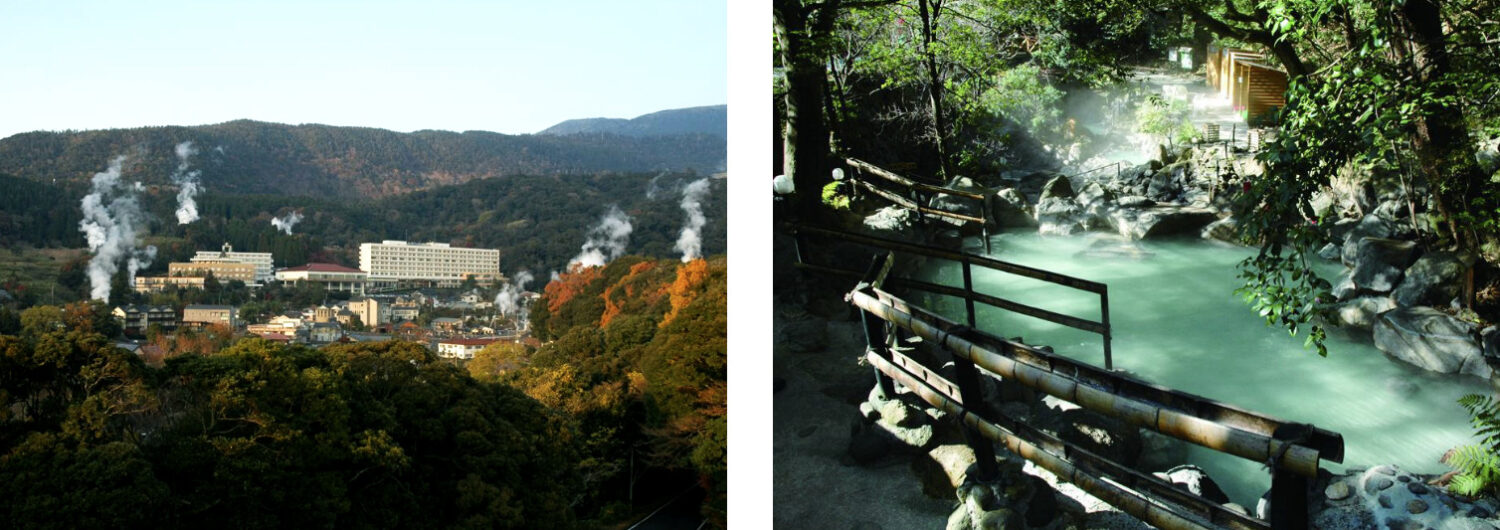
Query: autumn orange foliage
(569, 284)
(615, 296)
(684, 290)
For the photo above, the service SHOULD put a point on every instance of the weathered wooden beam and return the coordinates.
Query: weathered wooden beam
(908, 182)
(1176, 423)
(908, 203)
(1113, 483)
(1330, 445)
(983, 261)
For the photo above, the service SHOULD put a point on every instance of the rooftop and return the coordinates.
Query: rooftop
(321, 267)
(470, 342)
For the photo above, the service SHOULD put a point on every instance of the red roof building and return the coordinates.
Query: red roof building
(332, 276)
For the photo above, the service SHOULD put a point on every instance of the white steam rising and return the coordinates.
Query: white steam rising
(652, 188)
(286, 223)
(111, 217)
(606, 241)
(690, 242)
(508, 301)
(187, 183)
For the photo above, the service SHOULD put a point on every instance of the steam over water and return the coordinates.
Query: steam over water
(1177, 322)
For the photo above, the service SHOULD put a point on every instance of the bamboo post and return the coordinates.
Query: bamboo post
(875, 336)
(986, 207)
(968, 389)
(1289, 489)
(1109, 359)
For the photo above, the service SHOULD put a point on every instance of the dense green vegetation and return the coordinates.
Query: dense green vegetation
(625, 405)
(325, 161)
(261, 435)
(539, 223)
(637, 365)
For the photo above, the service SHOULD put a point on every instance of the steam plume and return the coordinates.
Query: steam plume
(606, 241)
(508, 301)
(652, 188)
(111, 216)
(188, 186)
(285, 223)
(691, 240)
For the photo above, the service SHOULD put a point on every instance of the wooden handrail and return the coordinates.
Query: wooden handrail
(1198, 423)
(1076, 465)
(905, 181)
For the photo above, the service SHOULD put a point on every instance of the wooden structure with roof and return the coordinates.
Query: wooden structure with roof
(1252, 86)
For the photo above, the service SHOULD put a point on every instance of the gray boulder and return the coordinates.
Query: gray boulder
(1432, 340)
(1226, 230)
(1098, 434)
(1344, 289)
(1329, 252)
(1058, 187)
(1162, 221)
(1196, 481)
(1379, 263)
(1432, 280)
(890, 219)
(961, 205)
(1370, 226)
(1093, 193)
(1361, 312)
(1009, 209)
(1134, 201)
(1060, 216)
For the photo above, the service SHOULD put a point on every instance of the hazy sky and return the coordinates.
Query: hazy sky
(496, 65)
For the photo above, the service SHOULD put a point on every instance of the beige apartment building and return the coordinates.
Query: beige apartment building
(392, 263)
(156, 284)
(261, 260)
(223, 271)
(205, 315)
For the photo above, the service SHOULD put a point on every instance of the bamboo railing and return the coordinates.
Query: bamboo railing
(917, 194)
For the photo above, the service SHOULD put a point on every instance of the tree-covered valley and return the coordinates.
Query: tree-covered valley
(625, 406)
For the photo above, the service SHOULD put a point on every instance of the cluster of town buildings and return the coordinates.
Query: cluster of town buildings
(382, 266)
(367, 316)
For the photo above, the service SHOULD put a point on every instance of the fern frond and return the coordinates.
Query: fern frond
(1466, 485)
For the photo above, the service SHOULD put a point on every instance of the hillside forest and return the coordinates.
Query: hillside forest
(625, 402)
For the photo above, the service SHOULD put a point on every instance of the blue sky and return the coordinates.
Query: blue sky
(498, 65)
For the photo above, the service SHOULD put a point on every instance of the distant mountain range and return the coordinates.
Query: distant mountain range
(354, 162)
(706, 120)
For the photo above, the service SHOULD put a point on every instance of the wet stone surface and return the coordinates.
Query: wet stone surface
(1337, 491)
(1416, 488)
(1377, 484)
(1416, 506)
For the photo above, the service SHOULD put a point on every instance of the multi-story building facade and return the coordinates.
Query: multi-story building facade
(371, 312)
(261, 260)
(223, 271)
(391, 263)
(330, 276)
(137, 318)
(206, 315)
(462, 348)
(156, 284)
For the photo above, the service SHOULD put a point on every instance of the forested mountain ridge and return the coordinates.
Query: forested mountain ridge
(246, 156)
(712, 119)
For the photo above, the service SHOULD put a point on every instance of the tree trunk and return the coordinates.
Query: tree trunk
(934, 82)
(1444, 150)
(805, 133)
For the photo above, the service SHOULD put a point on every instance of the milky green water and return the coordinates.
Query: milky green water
(1177, 323)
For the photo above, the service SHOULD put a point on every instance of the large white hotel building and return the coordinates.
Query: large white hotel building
(393, 263)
